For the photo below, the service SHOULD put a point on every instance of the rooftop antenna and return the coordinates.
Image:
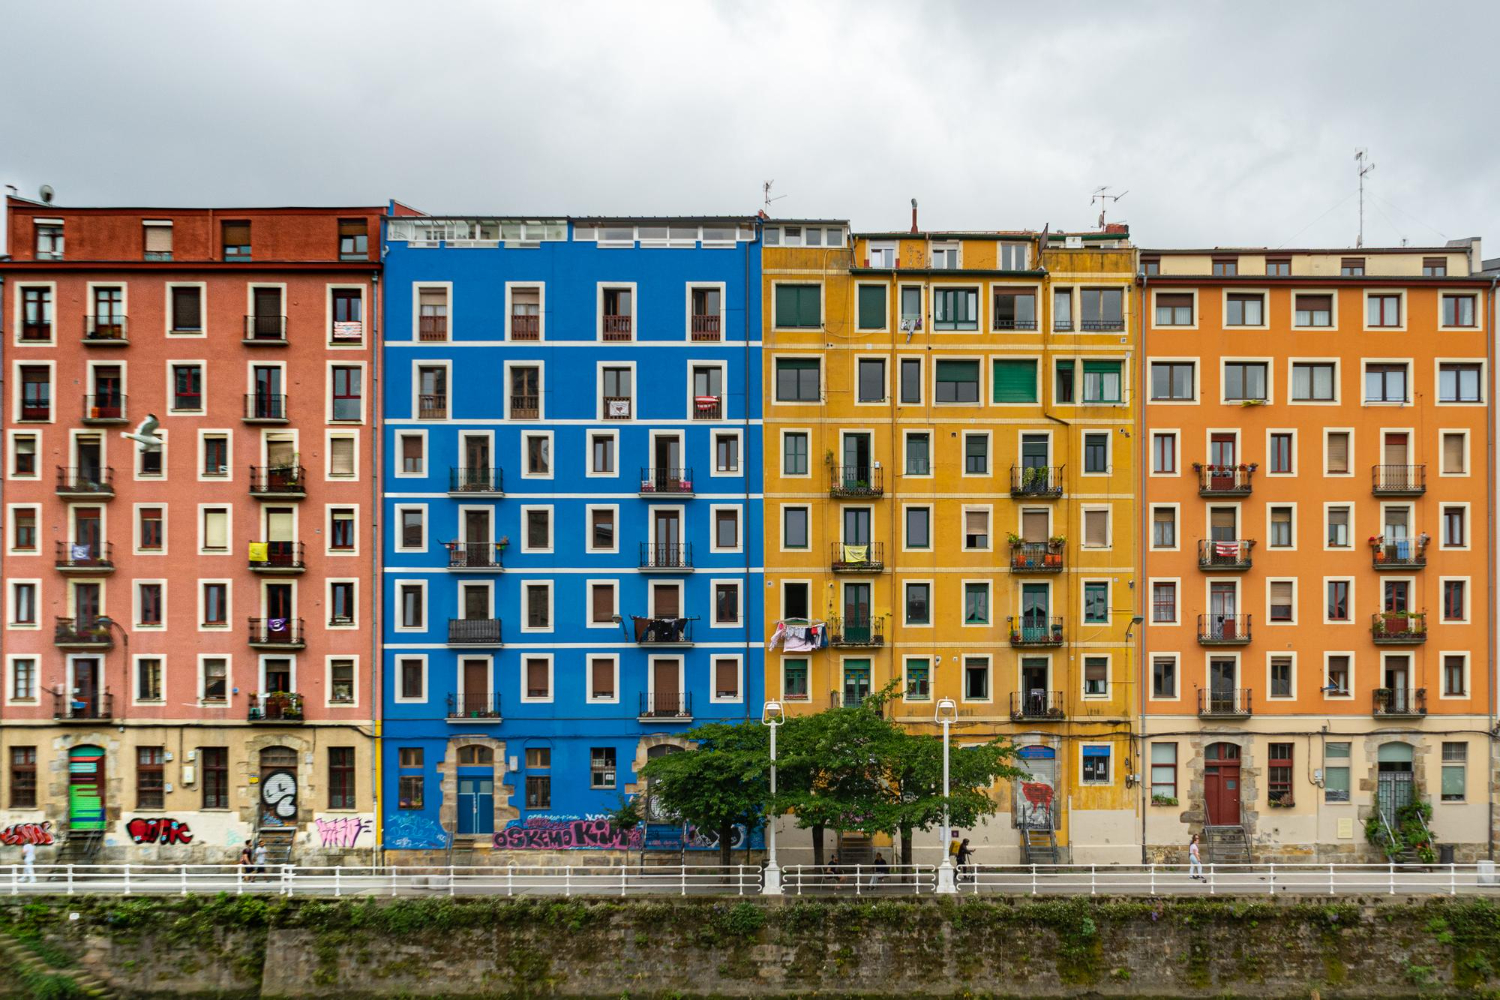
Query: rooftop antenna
(1103, 196)
(1362, 157)
(766, 191)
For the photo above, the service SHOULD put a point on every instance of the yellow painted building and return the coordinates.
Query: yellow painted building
(949, 462)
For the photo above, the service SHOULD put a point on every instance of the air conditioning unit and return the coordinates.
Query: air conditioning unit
(1073, 242)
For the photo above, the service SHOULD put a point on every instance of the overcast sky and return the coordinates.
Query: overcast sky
(1228, 124)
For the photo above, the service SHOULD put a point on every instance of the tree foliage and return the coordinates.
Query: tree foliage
(724, 782)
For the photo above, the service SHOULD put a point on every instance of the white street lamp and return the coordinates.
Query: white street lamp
(773, 717)
(945, 715)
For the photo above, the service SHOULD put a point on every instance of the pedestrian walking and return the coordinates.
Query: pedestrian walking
(247, 861)
(260, 856)
(964, 857)
(28, 861)
(1195, 864)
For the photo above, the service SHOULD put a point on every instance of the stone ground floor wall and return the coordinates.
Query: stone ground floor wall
(1150, 947)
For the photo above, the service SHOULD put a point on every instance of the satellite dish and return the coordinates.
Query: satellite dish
(47, 193)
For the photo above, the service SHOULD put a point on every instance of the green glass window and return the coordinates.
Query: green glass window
(872, 307)
(799, 306)
(918, 680)
(1096, 602)
(794, 680)
(976, 604)
(1336, 772)
(955, 309)
(957, 381)
(794, 453)
(1015, 382)
(797, 380)
(1101, 382)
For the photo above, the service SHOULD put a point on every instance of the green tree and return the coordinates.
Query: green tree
(829, 771)
(915, 782)
(626, 817)
(723, 782)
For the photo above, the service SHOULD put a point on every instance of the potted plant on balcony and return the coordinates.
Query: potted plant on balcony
(1282, 801)
(1163, 800)
(503, 543)
(278, 705)
(1377, 546)
(1055, 550)
(1057, 632)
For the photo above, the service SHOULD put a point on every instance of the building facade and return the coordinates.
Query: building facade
(949, 471)
(186, 636)
(572, 577)
(1317, 513)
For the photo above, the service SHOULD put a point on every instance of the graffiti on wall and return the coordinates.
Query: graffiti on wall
(409, 831)
(159, 831)
(278, 798)
(562, 833)
(17, 834)
(343, 831)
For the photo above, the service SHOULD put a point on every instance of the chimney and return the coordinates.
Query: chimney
(914, 215)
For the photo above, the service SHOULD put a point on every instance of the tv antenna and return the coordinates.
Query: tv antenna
(1362, 157)
(1104, 198)
(766, 190)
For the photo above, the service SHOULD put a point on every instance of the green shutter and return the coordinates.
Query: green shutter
(957, 371)
(798, 364)
(1107, 367)
(872, 307)
(798, 306)
(1015, 382)
(1453, 781)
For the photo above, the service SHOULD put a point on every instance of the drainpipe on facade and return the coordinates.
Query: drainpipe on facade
(4, 402)
(1142, 526)
(377, 581)
(745, 452)
(1489, 450)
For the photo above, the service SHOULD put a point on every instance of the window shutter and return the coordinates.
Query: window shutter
(1453, 453)
(158, 239)
(353, 227)
(1015, 382)
(976, 522)
(341, 456)
(536, 677)
(1338, 452)
(215, 529)
(666, 602)
(1281, 593)
(872, 307)
(726, 677)
(1095, 528)
(1102, 367)
(603, 602)
(1173, 301)
(186, 311)
(957, 371)
(236, 233)
(603, 681)
(1034, 525)
(432, 297)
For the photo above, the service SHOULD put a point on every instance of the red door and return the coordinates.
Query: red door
(1221, 458)
(1221, 784)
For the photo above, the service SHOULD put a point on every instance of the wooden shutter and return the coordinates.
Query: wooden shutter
(977, 522)
(158, 239)
(433, 298)
(536, 678)
(1015, 382)
(665, 600)
(872, 307)
(1034, 525)
(602, 682)
(354, 227)
(1173, 301)
(186, 309)
(1453, 453)
(1338, 452)
(341, 456)
(236, 234)
(1281, 593)
(1095, 527)
(1395, 449)
(411, 448)
(215, 529)
(603, 602)
(726, 677)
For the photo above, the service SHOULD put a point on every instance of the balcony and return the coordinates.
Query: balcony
(1036, 705)
(1224, 703)
(1223, 630)
(474, 632)
(281, 558)
(95, 558)
(705, 328)
(86, 482)
(666, 482)
(1036, 482)
(275, 706)
(708, 407)
(276, 633)
(475, 557)
(40, 332)
(1398, 628)
(475, 480)
(525, 327)
(524, 406)
(78, 708)
(82, 633)
(666, 707)
(110, 331)
(1403, 554)
(1398, 480)
(1224, 554)
(35, 408)
(474, 706)
(855, 482)
(617, 327)
(278, 482)
(265, 408)
(1224, 480)
(1036, 557)
(616, 407)
(1035, 630)
(1403, 702)
(663, 632)
(868, 558)
(265, 331)
(104, 408)
(1014, 324)
(432, 406)
(863, 631)
(432, 328)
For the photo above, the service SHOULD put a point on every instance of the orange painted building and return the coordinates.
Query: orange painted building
(1318, 501)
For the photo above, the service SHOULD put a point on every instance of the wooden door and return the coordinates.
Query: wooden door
(666, 692)
(1222, 457)
(85, 699)
(1221, 784)
(476, 687)
(87, 531)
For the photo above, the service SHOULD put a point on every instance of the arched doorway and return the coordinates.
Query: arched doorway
(1035, 793)
(85, 789)
(278, 788)
(654, 812)
(476, 789)
(1221, 784)
(1393, 784)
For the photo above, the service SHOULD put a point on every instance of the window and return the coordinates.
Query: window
(955, 308)
(1455, 534)
(1352, 267)
(1174, 309)
(1102, 308)
(601, 529)
(1278, 267)
(870, 378)
(1164, 677)
(1385, 383)
(216, 456)
(348, 312)
(1164, 602)
(216, 604)
(1383, 310)
(1280, 457)
(341, 602)
(413, 678)
(976, 678)
(412, 598)
(794, 680)
(918, 604)
(149, 602)
(150, 781)
(1226, 266)
(1434, 267)
(1314, 381)
(1014, 382)
(797, 380)
(1096, 602)
(1096, 453)
(413, 528)
(1279, 772)
(1460, 383)
(1455, 453)
(1336, 772)
(726, 678)
(918, 679)
(538, 677)
(1095, 765)
(911, 307)
(919, 454)
(976, 604)
(1151, 266)
(23, 455)
(1338, 676)
(1101, 382)
(602, 454)
(1163, 770)
(944, 258)
(215, 529)
(976, 454)
(618, 397)
(409, 789)
(49, 242)
(726, 603)
(1338, 601)
(794, 528)
(601, 767)
(1063, 382)
(23, 679)
(976, 529)
(187, 308)
(1245, 310)
(1096, 529)
(1062, 309)
(354, 239)
(1015, 310)
(1312, 310)
(799, 306)
(794, 453)
(956, 381)
(872, 300)
(1281, 676)
(215, 679)
(1095, 676)
(911, 380)
(23, 531)
(1172, 380)
(919, 527)
(413, 454)
(1164, 453)
(36, 314)
(1245, 381)
(538, 605)
(1455, 666)
(347, 393)
(1163, 527)
(151, 535)
(1281, 606)
(341, 777)
(215, 778)
(23, 604)
(726, 529)
(1281, 528)
(1455, 767)
(538, 449)
(235, 239)
(1459, 310)
(36, 392)
(1337, 453)
(23, 777)
(602, 603)
(1454, 600)
(187, 387)
(341, 529)
(726, 451)
(602, 678)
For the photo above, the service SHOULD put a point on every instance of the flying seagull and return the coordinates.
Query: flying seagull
(145, 434)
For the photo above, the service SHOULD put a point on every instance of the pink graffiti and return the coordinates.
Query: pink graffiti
(342, 832)
(563, 835)
(158, 831)
(26, 833)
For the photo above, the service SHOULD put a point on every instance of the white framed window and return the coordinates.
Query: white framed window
(411, 455)
(603, 603)
(1338, 451)
(724, 527)
(411, 605)
(536, 528)
(1095, 764)
(536, 606)
(796, 462)
(411, 527)
(978, 679)
(602, 524)
(603, 683)
(342, 603)
(796, 528)
(616, 311)
(25, 461)
(341, 681)
(149, 604)
(525, 310)
(726, 446)
(1453, 456)
(1097, 532)
(536, 455)
(1281, 601)
(411, 679)
(215, 678)
(727, 680)
(21, 679)
(341, 456)
(536, 677)
(215, 605)
(1166, 677)
(148, 681)
(1339, 605)
(23, 605)
(1338, 674)
(215, 523)
(604, 455)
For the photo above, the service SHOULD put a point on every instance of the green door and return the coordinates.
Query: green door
(856, 681)
(857, 623)
(86, 788)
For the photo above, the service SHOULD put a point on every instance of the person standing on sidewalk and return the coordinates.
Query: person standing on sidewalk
(1195, 864)
(28, 862)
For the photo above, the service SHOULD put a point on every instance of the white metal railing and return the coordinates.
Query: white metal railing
(1174, 879)
(858, 879)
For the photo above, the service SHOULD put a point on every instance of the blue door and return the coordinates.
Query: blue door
(476, 805)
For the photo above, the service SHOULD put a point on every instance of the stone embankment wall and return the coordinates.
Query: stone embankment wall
(249, 946)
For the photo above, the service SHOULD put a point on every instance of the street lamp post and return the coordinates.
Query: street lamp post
(772, 717)
(945, 716)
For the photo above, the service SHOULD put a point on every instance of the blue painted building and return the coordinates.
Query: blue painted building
(572, 516)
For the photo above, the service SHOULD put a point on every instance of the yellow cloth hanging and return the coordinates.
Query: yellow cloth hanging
(259, 552)
(856, 553)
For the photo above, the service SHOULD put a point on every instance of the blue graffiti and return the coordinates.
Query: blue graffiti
(410, 831)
